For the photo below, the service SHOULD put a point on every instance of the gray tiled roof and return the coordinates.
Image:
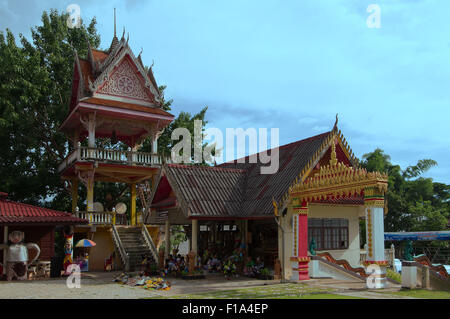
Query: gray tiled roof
(208, 191)
(261, 188)
(239, 189)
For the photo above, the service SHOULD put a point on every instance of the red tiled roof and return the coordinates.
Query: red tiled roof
(99, 55)
(135, 107)
(18, 213)
(86, 71)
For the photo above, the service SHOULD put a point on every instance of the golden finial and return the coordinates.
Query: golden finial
(335, 123)
(333, 159)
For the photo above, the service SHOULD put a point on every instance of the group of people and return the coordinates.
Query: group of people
(253, 268)
(231, 265)
(175, 265)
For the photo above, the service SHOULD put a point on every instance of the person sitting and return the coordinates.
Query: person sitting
(172, 265)
(259, 265)
(248, 268)
(213, 264)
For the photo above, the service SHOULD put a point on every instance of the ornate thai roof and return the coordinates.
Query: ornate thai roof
(97, 73)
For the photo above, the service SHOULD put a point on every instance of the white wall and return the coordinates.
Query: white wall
(348, 212)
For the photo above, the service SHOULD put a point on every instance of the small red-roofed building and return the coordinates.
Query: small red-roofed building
(37, 223)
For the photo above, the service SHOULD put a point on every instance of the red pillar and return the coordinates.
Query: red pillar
(303, 259)
(301, 213)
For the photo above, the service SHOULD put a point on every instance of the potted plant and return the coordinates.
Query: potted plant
(265, 274)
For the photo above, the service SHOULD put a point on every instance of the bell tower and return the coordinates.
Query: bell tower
(113, 96)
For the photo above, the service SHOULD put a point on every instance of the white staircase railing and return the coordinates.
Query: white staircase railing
(122, 252)
(389, 255)
(148, 239)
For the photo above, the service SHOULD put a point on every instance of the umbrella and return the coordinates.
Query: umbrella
(85, 243)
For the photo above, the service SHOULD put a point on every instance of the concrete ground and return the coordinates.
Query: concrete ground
(101, 285)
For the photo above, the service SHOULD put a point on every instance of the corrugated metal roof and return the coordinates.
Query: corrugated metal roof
(208, 191)
(293, 158)
(239, 189)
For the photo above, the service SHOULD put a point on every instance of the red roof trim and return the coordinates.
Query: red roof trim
(14, 212)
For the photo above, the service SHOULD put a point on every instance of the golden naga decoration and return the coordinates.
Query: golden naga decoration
(339, 180)
(275, 207)
(334, 137)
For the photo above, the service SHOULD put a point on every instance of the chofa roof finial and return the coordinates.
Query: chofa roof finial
(336, 122)
(114, 22)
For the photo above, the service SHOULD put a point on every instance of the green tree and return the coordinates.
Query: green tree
(414, 202)
(35, 82)
(185, 120)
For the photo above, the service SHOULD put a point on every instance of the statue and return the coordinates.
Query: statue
(277, 269)
(17, 256)
(312, 247)
(407, 255)
(191, 262)
(68, 248)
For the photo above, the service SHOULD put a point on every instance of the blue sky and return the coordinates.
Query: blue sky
(293, 64)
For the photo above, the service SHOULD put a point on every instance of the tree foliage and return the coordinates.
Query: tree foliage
(414, 203)
(35, 81)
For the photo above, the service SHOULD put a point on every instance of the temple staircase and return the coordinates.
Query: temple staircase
(132, 244)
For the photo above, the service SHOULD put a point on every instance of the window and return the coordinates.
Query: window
(329, 233)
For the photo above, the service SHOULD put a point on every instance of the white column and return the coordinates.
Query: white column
(5, 241)
(375, 233)
(91, 130)
(90, 195)
(375, 263)
(155, 145)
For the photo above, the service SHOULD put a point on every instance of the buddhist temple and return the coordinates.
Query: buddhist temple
(303, 218)
(319, 194)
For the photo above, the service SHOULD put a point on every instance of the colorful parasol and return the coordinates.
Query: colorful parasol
(85, 243)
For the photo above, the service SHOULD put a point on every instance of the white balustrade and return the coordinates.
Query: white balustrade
(101, 218)
(389, 255)
(107, 155)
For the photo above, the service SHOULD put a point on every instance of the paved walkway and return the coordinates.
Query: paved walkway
(94, 286)
(101, 285)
